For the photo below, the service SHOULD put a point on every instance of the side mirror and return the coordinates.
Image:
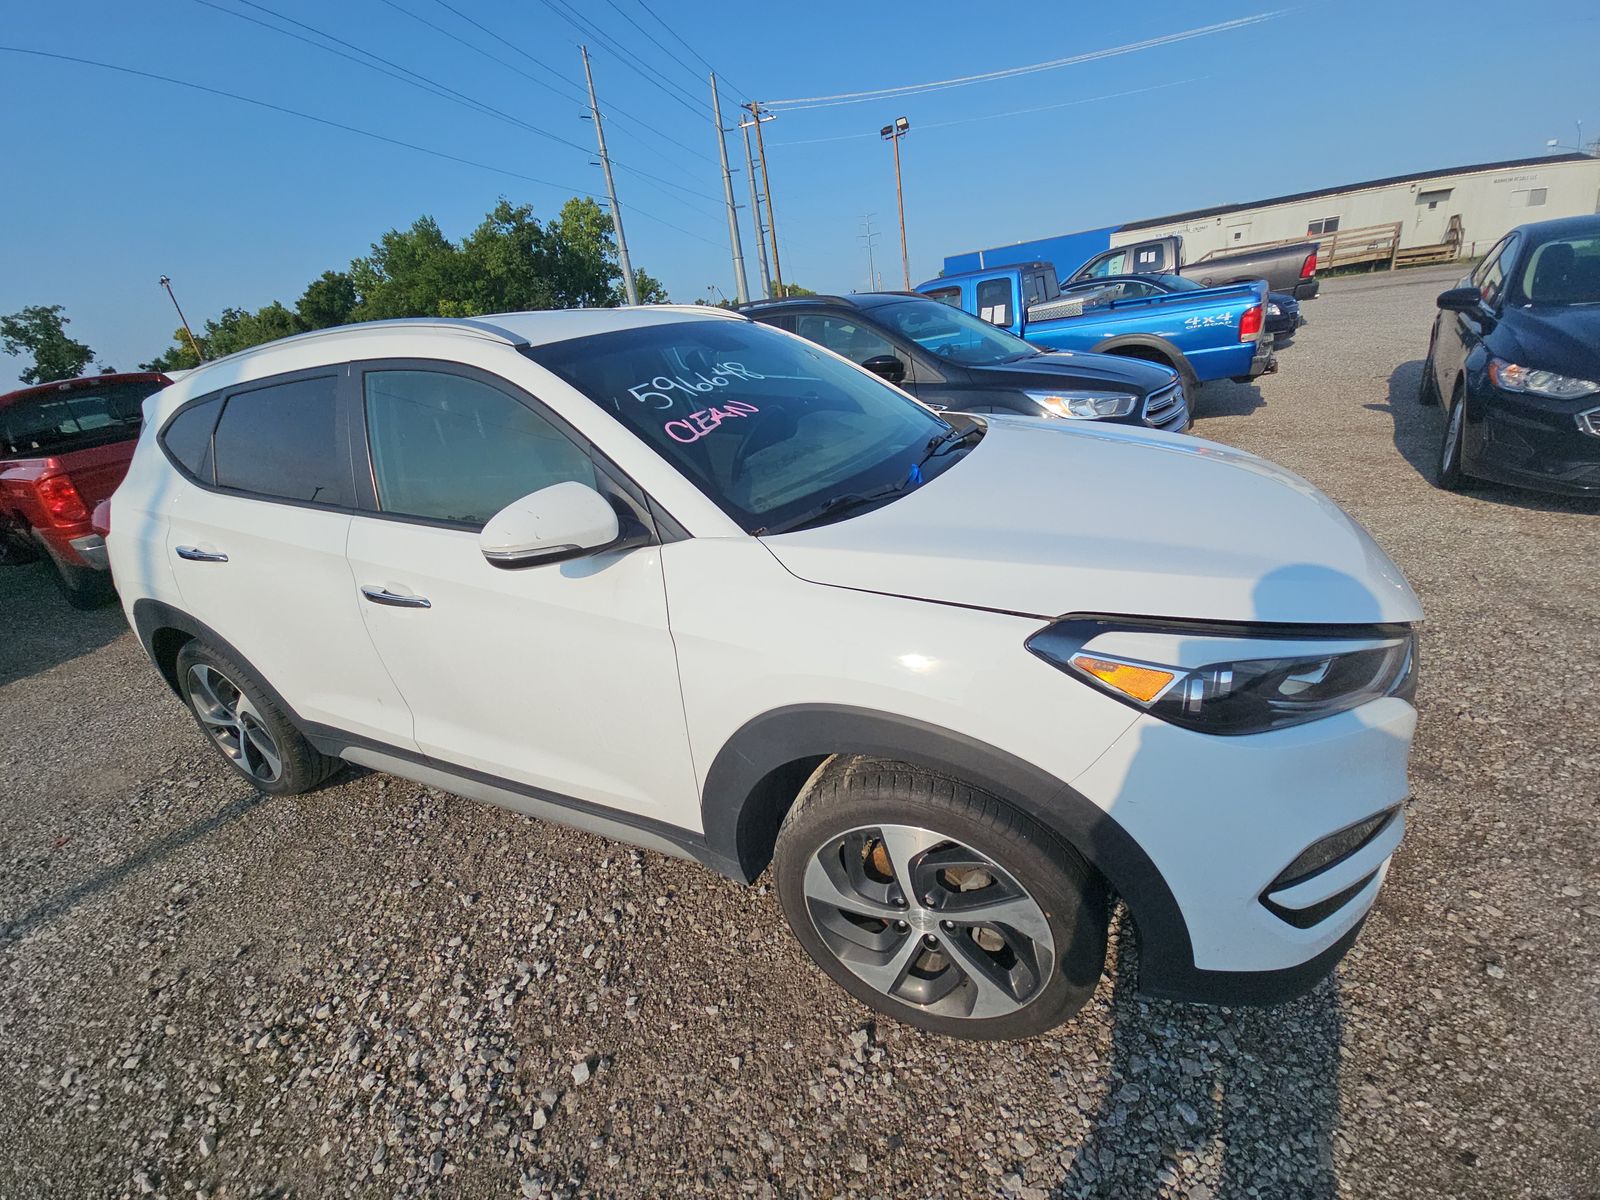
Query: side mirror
(1461, 299)
(886, 366)
(562, 521)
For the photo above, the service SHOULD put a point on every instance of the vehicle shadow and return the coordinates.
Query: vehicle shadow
(1224, 398)
(1213, 1102)
(41, 630)
(1419, 430)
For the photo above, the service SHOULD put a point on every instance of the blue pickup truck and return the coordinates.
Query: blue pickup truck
(1209, 333)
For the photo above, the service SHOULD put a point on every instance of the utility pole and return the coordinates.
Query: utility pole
(630, 289)
(867, 236)
(755, 211)
(893, 133)
(193, 344)
(740, 286)
(766, 185)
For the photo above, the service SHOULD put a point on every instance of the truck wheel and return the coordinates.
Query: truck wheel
(938, 904)
(83, 587)
(241, 721)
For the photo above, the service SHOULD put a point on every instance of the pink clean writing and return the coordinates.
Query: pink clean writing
(697, 424)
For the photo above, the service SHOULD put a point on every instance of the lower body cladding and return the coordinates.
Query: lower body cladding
(1273, 845)
(1533, 442)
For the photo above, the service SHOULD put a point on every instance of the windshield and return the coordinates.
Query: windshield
(72, 419)
(951, 334)
(768, 426)
(1561, 272)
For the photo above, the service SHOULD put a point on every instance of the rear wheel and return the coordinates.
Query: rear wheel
(84, 587)
(938, 904)
(1428, 389)
(234, 711)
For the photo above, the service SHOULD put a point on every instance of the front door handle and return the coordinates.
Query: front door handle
(382, 595)
(195, 554)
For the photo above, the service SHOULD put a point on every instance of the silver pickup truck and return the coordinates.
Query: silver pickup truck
(1291, 268)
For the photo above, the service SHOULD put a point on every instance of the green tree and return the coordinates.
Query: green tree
(40, 330)
(328, 300)
(651, 290)
(794, 289)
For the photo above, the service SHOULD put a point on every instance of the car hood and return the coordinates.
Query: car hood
(1045, 518)
(1564, 340)
(1063, 368)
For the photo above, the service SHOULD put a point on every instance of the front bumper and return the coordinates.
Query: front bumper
(1533, 442)
(1222, 817)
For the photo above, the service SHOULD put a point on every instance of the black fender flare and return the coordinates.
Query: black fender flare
(1175, 358)
(781, 749)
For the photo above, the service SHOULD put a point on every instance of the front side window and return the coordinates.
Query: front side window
(768, 427)
(448, 448)
(949, 295)
(284, 442)
(1112, 264)
(952, 334)
(846, 338)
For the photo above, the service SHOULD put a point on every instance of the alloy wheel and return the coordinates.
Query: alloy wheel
(929, 921)
(1452, 438)
(234, 723)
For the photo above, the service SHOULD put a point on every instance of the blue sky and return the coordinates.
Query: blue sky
(114, 180)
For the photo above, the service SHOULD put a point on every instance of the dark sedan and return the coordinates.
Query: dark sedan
(1515, 356)
(950, 359)
(1283, 310)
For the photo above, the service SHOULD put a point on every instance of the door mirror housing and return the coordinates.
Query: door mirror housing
(565, 520)
(886, 366)
(1461, 299)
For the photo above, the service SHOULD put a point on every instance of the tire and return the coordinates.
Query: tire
(1428, 389)
(83, 587)
(866, 837)
(1451, 477)
(241, 721)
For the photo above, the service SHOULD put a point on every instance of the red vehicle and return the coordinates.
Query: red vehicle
(64, 447)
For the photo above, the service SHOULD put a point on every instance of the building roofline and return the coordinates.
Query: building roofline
(1388, 181)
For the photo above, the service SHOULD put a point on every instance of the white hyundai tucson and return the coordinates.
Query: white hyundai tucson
(697, 584)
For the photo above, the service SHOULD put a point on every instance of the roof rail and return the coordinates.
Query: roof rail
(487, 328)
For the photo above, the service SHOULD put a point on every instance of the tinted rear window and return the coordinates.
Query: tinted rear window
(282, 441)
(187, 438)
(75, 419)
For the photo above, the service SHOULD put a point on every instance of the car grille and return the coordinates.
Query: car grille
(1167, 409)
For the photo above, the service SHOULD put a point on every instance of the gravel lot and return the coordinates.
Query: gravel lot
(379, 990)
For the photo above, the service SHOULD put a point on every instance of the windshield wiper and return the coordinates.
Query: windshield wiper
(833, 505)
(945, 442)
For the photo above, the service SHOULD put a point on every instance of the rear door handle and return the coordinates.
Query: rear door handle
(195, 554)
(381, 595)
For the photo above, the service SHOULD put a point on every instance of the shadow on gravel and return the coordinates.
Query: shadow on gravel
(1248, 1097)
(41, 630)
(1418, 431)
(154, 852)
(1224, 398)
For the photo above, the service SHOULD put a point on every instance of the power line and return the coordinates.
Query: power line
(332, 124)
(615, 109)
(666, 86)
(1031, 68)
(675, 37)
(653, 40)
(510, 66)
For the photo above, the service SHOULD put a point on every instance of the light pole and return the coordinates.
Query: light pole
(893, 133)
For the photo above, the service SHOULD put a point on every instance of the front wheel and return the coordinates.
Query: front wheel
(1451, 477)
(938, 904)
(1428, 388)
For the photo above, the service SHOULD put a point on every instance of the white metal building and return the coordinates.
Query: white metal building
(1485, 201)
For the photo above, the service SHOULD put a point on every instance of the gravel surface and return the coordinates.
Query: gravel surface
(380, 990)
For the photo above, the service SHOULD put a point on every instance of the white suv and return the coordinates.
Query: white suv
(697, 584)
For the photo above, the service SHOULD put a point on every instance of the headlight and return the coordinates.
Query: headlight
(1273, 310)
(1509, 377)
(1244, 693)
(1090, 406)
